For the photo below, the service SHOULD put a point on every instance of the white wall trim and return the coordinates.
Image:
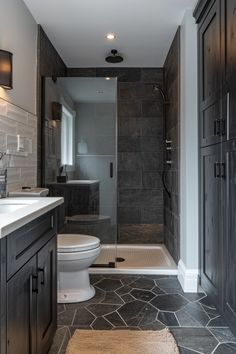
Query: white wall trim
(188, 278)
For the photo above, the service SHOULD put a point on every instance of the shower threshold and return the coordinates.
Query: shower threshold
(137, 259)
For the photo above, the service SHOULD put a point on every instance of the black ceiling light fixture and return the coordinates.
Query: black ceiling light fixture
(114, 58)
(6, 69)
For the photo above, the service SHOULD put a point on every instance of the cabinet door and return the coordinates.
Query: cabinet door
(230, 60)
(47, 296)
(210, 76)
(229, 285)
(210, 215)
(21, 310)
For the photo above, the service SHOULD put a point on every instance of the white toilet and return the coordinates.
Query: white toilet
(76, 253)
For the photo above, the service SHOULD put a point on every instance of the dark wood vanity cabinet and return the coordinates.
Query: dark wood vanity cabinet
(217, 139)
(29, 287)
(80, 199)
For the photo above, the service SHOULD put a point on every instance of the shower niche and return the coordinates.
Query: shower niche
(80, 154)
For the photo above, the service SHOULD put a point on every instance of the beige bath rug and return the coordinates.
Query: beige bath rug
(122, 342)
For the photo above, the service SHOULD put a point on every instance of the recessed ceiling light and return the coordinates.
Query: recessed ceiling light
(108, 78)
(110, 36)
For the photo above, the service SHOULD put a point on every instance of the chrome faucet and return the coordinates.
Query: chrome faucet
(3, 183)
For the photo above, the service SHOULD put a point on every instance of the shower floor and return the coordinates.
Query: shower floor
(138, 259)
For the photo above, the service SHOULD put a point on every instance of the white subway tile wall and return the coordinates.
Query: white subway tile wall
(21, 166)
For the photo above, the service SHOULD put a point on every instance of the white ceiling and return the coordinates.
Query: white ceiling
(87, 90)
(77, 28)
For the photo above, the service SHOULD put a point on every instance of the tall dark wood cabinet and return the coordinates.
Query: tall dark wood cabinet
(217, 140)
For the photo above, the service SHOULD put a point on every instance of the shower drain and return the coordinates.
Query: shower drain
(120, 259)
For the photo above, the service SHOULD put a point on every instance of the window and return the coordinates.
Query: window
(67, 137)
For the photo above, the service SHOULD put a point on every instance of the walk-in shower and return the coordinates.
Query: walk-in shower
(103, 152)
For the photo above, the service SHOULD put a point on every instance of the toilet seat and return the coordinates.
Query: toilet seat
(74, 243)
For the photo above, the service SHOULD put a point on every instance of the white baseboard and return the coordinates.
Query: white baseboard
(188, 278)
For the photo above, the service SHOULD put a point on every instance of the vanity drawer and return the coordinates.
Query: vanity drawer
(23, 243)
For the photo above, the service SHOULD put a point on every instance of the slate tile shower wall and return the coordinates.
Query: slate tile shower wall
(140, 151)
(171, 205)
(21, 166)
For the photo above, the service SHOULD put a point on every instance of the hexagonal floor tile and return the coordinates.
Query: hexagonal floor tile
(172, 302)
(109, 284)
(144, 295)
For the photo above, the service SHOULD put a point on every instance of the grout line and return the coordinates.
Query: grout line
(63, 340)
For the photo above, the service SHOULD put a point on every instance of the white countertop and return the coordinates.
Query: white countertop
(27, 209)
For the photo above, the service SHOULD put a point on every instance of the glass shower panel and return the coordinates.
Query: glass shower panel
(89, 183)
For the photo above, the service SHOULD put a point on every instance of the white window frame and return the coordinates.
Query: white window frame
(67, 136)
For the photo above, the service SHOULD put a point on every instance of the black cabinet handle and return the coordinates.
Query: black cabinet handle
(223, 126)
(217, 170)
(43, 271)
(217, 127)
(223, 170)
(111, 169)
(33, 283)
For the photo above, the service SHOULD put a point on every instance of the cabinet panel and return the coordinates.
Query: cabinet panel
(210, 77)
(47, 296)
(21, 310)
(211, 189)
(229, 285)
(210, 54)
(230, 27)
(25, 242)
(230, 67)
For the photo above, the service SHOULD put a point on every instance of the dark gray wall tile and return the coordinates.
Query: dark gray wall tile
(153, 127)
(152, 180)
(129, 215)
(131, 233)
(151, 144)
(153, 75)
(129, 144)
(130, 127)
(81, 72)
(151, 215)
(129, 108)
(139, 197)
(152, 108)
(130, 179)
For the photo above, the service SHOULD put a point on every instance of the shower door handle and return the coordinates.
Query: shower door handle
(111, 169)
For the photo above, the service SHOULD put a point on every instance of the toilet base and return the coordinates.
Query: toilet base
(81, 295)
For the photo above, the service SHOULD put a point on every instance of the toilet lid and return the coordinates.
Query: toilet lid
(76, 243)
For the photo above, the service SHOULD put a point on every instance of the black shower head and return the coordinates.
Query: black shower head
(114, 58)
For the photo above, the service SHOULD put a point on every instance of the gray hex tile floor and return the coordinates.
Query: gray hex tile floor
(147, 303)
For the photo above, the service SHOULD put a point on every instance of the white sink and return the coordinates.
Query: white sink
(9, 206)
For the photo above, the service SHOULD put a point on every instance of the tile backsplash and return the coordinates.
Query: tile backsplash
(18, 138)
